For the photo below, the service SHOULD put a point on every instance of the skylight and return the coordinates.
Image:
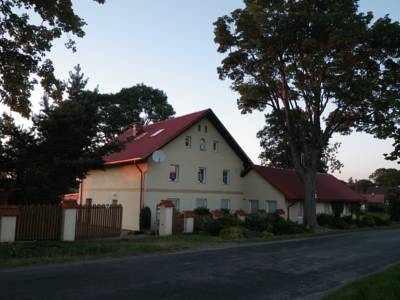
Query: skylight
(158, 132)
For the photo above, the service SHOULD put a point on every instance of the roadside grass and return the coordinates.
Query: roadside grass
(382, 286)
(46, 252)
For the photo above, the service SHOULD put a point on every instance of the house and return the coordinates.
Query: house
(194, 161)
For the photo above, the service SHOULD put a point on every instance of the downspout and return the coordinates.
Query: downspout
(288, 210)
(141, 184)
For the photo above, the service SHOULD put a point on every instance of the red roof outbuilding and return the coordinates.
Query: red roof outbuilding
(286, 181)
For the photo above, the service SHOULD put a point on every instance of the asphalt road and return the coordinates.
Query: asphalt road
(294, 269)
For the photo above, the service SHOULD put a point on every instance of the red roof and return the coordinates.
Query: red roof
(157, 135)
(289, 184)
(374, 198)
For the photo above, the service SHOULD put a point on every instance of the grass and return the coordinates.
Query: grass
(382, 286)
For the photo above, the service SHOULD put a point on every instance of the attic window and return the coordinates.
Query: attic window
(158, 132)
(140, 136)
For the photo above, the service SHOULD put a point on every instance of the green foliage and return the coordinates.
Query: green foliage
(325, 220)
(214, 226)
(25, 44)
(232, 233)
(337, 208)
(393, 197)
(367, 221)
(70, 138)
(381, 221)
(201, 211)
(256, 222)
(145, 218)
(282, 226)
(388, 178)
(352, 56)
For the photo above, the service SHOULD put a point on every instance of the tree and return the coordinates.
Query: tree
(388, 178)
(24, 44)
(393, 197)
(319, 56)
(276, 145)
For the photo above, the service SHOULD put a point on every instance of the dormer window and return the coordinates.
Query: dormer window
(202, 144)
(199, 127)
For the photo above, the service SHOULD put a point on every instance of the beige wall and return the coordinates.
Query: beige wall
(187, 189)
(120, 183)
(256, 188)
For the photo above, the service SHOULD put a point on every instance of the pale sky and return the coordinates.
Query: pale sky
(169, 45)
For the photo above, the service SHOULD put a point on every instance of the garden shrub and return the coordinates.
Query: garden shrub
(282, 226)
(250, 234)
(225, 211)
(214, 226)
(380, 221)
(232, 233)
(145, 218)
(257, 222)
(367, 221)
(325, 220)
(201, 211)
(340, 223)
(267, 234)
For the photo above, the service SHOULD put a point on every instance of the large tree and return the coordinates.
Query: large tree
(70, 137)
(320, 56)
(27, 30)
(388, 178)
(276, 150)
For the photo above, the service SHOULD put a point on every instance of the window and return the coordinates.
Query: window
(301, 210)
(158, 132)
(254, 206)
(175, 202)
(201, 202)
(225, 203)
(327, 208)
(226, 176)
(173, 173)
(272, 206)
(201, 175)
(202, 144)
(114, 202)
(188, 142)
(215, 146)
(199, 127)
(205, 128)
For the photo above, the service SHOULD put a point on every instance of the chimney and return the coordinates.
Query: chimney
(137, 128)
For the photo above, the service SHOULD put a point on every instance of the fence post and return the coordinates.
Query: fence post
(166, 216)
(188, 221)
(68, 224)
(8, 223)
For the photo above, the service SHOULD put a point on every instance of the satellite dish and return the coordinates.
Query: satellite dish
(158, 156)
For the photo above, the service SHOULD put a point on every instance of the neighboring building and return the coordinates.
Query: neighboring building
(195, 162)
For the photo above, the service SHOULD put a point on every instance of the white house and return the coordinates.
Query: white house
(195, 162)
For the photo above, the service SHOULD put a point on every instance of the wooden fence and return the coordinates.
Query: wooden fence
(38, 222)
(97, 221)
(177, 222)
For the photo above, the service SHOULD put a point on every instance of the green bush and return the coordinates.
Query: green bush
(267, 234)
(250, 234)
(340, 223)
(380, 221)
(145, 218)
(257, 222)
(201, 211)
(214, 226)
(393, 197)
(367, 221)
(325, 220)
(232, 233)
(225, 211)
(282, 226)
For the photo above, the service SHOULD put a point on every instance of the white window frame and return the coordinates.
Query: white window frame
(251, 207)
(268, 206)
(203, 144)
(176, 173)
(204, 175)
(204, 200)
(188, 142)
(228, 176)
(228, 202)
(216, 146)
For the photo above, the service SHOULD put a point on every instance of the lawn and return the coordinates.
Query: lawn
(382, 286)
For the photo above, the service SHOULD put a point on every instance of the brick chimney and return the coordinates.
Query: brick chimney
(137, 128)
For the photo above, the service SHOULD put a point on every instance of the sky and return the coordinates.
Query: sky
(169, 45)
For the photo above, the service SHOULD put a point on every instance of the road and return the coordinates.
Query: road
(295, 269)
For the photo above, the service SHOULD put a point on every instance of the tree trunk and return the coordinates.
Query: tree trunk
(310, 209)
